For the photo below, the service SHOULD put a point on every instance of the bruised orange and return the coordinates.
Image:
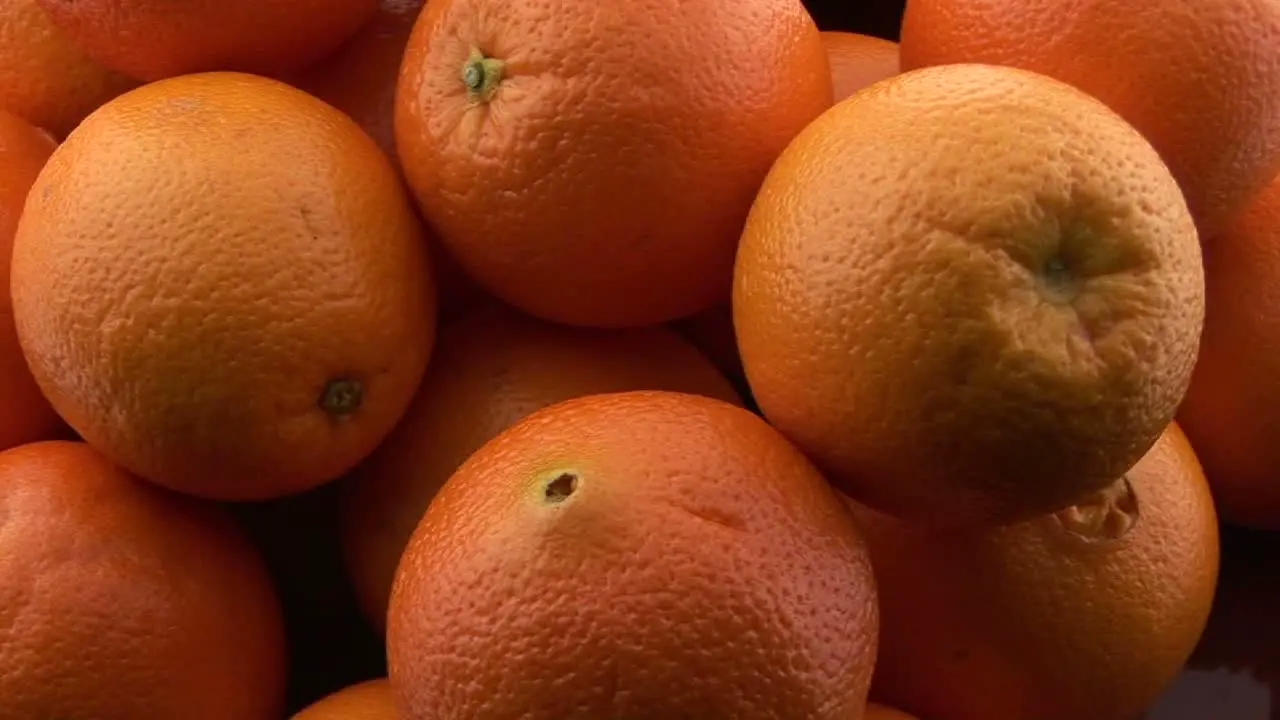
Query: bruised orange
(642, 555)
(971, 293)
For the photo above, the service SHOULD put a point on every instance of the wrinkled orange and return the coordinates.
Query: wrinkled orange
(971, 293)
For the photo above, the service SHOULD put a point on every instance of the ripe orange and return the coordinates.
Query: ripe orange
(1232, 410)
(369, 700)
(858, 61)
(1085, 613)
(25, 415)
(46, 78)
(639, 555)
(121, 600)
(971, 293)
(244, 302)
(491, 368)
(360, 78)
(712, 331)
(155, 39)
(881, 712)
(594, 165)
(1201, 80)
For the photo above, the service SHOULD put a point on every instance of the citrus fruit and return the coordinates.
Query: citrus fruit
(369, 700)
(593, 165)
(360, 78)
(26, 416)
(491, 368)
(155, 39)
(1084, 613)
(1232, 410)
(645, 555)
(712, 332)
(971, 293)
(244, 303)
(881, 712)
(1201, 80)
(121, 600)
(858, 61)
(44, 77)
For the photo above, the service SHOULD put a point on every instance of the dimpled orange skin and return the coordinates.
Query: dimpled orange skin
(121, 600)
(605, 180)
(25, 415)
(369, 700)
(858, 61)
(972, 294)
(1232, 410)
(697, 567)
(1087, 613)
(226, 251)
(156, 39)
(491, 368)
(44, 76)
(1201, 80)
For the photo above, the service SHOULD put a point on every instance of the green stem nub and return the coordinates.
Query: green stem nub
(482, 75)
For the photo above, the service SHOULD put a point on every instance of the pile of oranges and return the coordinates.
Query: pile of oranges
(662, 360)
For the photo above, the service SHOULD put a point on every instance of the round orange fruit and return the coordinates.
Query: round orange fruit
(25, 415)
(645, 555)
(156, 39)
(593, 165)
(971, 293)
(45, 77)
(1201, 80)
(858, 61)
(369, 700)
(490, 369)
(244, 302)
(1088, 612)
(122, 600)
(882, 712)
(1232, 410)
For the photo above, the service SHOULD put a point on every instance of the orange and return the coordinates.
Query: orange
(155, 39)
(369, 700)
(858, 61)
(881, 712)
(712, 332)
(25, 416)
(491, 368)
(1201, 80)
(971, 293)
(642, 555)
(244, 304)
(1232, 410)
(360, 78)
(593, 165)
(1084, 613)
(46, 78)
(121, 600)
